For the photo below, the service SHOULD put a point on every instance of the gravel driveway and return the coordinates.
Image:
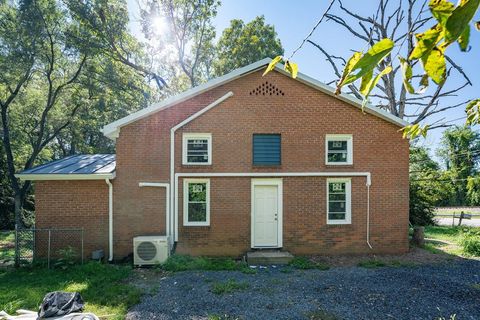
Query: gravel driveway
(421, 292)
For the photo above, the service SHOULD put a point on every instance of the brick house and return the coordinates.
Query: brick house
(240, 162)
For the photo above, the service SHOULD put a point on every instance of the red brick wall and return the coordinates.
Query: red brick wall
(303, 116)
(72, 204)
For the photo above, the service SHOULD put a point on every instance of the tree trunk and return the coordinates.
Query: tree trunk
(418, 237)
(19, 199)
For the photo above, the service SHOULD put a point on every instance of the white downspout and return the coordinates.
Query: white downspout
(110, 219)
(173, 187)
(369, 182)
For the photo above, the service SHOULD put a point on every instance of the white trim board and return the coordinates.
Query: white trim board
(174, 206)
(111, 130)
(65, 176)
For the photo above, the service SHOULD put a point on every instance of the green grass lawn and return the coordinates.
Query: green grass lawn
(7, 245)
(102, 287)
(447, 238)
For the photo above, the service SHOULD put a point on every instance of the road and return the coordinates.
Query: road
(445, 221)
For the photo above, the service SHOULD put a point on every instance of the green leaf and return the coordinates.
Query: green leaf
(366, 79)
(272, 64)
(414, 130)
(426, 41)
(459, 19)
(441, 10)
(366, 88)
(407, 75)
(464, 39)
(348, 68)
(358, 65)
(291, 68)
(473, 112)
(435, 65)
(371, 59)
(423, 84)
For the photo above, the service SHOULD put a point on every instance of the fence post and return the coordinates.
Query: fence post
(48, 254)
(17, 251)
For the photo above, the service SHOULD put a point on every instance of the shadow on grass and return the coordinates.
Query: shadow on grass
(101, 286)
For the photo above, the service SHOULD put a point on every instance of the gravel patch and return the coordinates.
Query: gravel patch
(418, 292)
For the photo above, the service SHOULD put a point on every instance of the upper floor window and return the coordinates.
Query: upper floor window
(197, 148)
(338, 149)
(267, 149)
(339, 195)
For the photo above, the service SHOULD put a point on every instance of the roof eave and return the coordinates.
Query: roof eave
(345, 97)
(111, 130)
(64, 176)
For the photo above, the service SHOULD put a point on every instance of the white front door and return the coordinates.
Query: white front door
(266, 213)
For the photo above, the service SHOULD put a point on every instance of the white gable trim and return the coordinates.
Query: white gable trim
(112, 130)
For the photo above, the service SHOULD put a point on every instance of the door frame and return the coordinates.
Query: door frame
(268, 182)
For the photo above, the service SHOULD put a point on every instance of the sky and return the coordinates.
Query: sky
(293, 21)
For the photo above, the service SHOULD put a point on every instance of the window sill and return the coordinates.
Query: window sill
(338, 223)
(196, 225)
(333, 164)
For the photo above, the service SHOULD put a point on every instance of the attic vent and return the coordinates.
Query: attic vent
(267, 89)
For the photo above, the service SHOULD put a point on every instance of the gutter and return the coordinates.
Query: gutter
(64, 176)
(174, 204)
(110, 219)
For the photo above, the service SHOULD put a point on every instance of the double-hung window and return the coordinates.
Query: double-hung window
(338, 149)
(197, 149)
(339, 201)
(196, 204)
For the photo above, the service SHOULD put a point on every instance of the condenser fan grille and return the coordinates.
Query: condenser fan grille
(146, 251)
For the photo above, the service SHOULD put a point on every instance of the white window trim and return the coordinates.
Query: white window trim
(190, 136)
(340, 137)
(348, 200)
(186, 182)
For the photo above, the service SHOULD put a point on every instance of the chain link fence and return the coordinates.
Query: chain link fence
(49, 246)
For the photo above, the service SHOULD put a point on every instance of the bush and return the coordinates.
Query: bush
(422, 207)
(470, 243)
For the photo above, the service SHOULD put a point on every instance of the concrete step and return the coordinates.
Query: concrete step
(267, 257)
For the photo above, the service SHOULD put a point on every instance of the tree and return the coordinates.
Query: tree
(398, 21)
(242, 44)
(425, 188)
(425, 59)
(47, 52)
(460, 151)
(180, 34)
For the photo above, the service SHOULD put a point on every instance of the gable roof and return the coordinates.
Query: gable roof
(77, 167)
(111, 130)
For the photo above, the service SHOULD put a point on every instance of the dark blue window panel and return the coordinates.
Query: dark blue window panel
(267, 149)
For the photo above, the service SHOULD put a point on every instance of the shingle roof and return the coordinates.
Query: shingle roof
(82, 164)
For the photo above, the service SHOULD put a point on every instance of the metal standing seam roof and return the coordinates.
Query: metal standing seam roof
(83, 164)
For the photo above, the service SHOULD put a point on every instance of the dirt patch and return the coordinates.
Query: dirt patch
(415, 256)
(147, 279)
